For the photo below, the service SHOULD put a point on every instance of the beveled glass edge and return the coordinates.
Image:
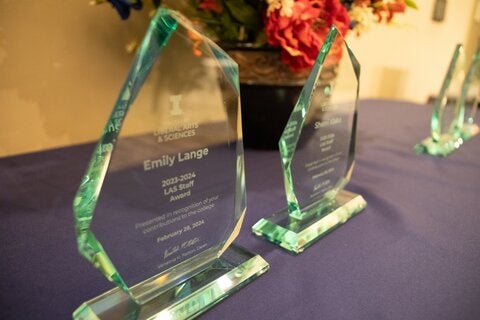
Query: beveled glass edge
(89, 190)
(240, 197)
(297, 242)
(440, 101)
(467, 124)
(231, 71)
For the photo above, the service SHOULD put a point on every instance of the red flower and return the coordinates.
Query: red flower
(301, 35)
(210, 5)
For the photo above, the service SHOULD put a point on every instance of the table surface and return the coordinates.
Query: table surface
(413, 253)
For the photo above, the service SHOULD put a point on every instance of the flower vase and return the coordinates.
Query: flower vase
(269, 91)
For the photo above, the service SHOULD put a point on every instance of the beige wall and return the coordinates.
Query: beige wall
(473, 35)
(62, 64)
(409, 59)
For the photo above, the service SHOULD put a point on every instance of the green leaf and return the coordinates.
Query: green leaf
(411, 4)
(261, 40)
(229, 30)
(243, 13)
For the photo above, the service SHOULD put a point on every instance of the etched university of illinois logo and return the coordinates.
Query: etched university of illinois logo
(175, 109)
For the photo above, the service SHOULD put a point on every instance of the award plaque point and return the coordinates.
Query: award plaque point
(296, 235)
(317, 150)
(234, 269)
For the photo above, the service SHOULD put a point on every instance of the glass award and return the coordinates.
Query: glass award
(317, 150)
(469, 98)
(448, 115)
(163, 196)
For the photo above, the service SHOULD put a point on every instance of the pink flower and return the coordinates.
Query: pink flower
(301, 35)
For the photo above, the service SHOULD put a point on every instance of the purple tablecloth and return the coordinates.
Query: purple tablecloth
(414, 253)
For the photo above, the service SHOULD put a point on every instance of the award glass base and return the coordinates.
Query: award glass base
(234, 269)
(295, 235)
(446, 145)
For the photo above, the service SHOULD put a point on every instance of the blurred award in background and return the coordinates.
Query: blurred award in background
(317, 150)
(470, 98)
(447, 120)
(163, 196)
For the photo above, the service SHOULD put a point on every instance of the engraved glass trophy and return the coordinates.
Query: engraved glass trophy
(163, 196)
(317, 150)
(469, 98)
(448, 113)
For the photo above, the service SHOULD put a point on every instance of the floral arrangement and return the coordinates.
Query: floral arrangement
(297, 27)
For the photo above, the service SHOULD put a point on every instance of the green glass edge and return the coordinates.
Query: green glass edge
(468, 126)
(297, 242)
(353, 138)
(159, 31)
(231, 71)
(84, 312)
(287, 150)
(439, 104)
